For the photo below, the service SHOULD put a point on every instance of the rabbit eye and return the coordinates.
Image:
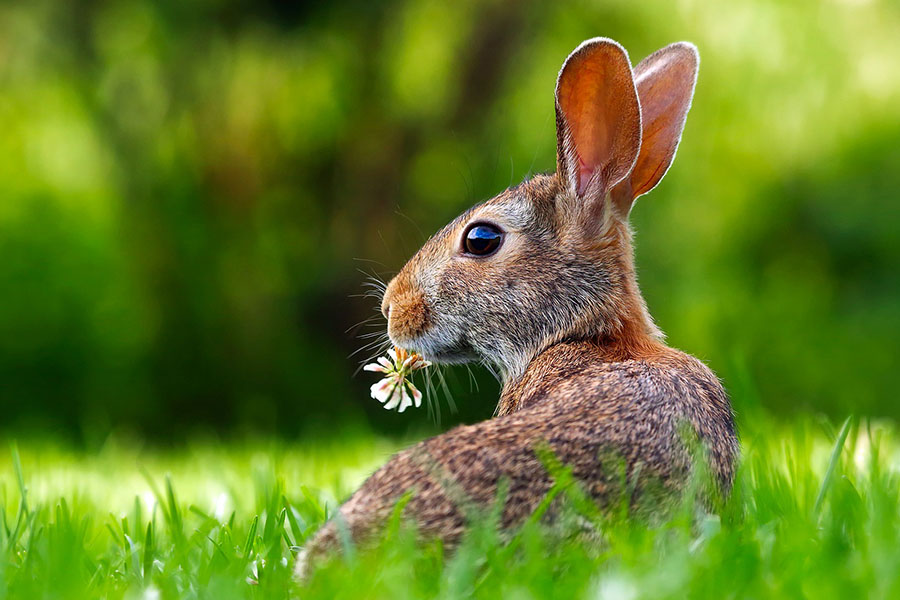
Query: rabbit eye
(482, 239)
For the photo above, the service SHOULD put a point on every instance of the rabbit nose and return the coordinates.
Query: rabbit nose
(386, 302)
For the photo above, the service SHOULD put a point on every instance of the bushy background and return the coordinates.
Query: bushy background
(191, 192)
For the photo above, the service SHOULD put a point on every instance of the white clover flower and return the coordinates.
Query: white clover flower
(395, 390)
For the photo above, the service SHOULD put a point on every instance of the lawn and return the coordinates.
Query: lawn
(814, 513)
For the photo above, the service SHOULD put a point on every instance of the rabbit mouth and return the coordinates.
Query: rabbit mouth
(449, 357)
(442, 351)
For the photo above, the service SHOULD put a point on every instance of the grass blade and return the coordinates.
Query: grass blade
(832, 464)
(20, 477)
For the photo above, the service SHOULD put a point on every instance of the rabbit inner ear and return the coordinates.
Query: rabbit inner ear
(598, 118)
(665, 83)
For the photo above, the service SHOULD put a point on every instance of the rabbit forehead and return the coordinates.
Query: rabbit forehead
(527, 207)
(522, 207)
(512, 210)
(511, 215)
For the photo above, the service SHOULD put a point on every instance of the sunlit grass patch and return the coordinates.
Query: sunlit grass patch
(813, 513)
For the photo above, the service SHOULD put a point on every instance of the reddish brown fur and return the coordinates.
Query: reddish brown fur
(557, 308)
(410, 312)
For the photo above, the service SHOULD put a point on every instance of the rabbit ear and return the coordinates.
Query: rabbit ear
(598, 119)
(665, 83)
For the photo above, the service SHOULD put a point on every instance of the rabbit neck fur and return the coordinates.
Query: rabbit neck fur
(566, 360)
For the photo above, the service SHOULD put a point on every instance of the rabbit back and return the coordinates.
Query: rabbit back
(593, 415)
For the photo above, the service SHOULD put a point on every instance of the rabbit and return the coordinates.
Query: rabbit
(540, 281)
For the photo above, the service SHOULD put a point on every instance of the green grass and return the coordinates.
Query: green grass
(814, 513)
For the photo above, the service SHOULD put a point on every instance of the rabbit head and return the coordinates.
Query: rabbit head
(551, 259)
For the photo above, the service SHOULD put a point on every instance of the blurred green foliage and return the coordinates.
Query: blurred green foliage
(190, 192)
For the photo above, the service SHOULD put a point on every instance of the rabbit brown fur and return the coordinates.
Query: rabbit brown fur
(557, 309)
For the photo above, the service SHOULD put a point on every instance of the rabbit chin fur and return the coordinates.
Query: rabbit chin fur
(557, 308)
